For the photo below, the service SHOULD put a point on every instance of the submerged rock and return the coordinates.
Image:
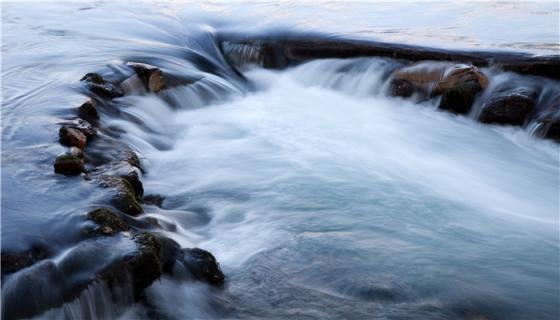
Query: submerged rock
(203, 266)
(151, 76)
(100, 87)
(153, 199)
(32, 291)
(72, 137)
(69, 165)
(108, 222)
(510, 108)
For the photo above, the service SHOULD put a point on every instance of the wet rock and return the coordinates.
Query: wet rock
(203, 266)
(151, 222)
(108, 222)
(459, 99)
(170, 251)
(145, 267)
(434, 79)
(510, 108)
(15, 261)
(82, 125)
(550, 129)
(153, 199)
(69, 165)
(401, 88)
(151, 76)
(88, 111)
(72, 137)
(31, 291)
(124, 197)
(100, 87)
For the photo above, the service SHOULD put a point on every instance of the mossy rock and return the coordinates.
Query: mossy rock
(68, 164)
(108, 222)
(124, 197)
(203, 266)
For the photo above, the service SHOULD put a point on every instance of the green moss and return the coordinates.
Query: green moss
(109, 222)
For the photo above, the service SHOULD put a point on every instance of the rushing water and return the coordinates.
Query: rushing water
(320, 196)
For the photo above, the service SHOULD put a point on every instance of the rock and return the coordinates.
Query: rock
(82, 125)
(432, 79)
(151, 76)
(170, 251)
(203, 266)
(153, 199)
(124, 197)
(68, 165)
(108, 222)
(459, 99)
(37, 286)
(509, 108)
(549, 129)
(88, 111)
(401, 88)
(146, 266)
(100, 87)
(72, 137)
(15, 261)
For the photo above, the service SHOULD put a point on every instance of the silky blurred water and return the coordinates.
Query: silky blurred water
(320, 196)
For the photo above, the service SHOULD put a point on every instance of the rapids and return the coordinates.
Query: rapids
(320, 196)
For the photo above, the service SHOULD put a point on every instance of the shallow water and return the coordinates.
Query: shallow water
(320, 196)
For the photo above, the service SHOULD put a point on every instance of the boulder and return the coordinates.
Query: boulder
(108, 222)
(509, 108)
(96, 84)
(88, 111)
(69, 165)
(123, 197)
(203, 266)
(151, 76)
(72, 137)
(459, 99)
(435, 78)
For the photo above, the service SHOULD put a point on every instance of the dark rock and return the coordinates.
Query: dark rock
(511, 108)
(550, 129)
(72, 137)
(169, 253)
(151, 222)
(88, 111)
(146, 266)
(459, 99)
(124, 197)
(401, 88)
(203, 266)
(31, 291)
(153, 199)
(100, 87)
(151, 76)
(83, 126)
(68, 165)
(108, 222)
(15, 261)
